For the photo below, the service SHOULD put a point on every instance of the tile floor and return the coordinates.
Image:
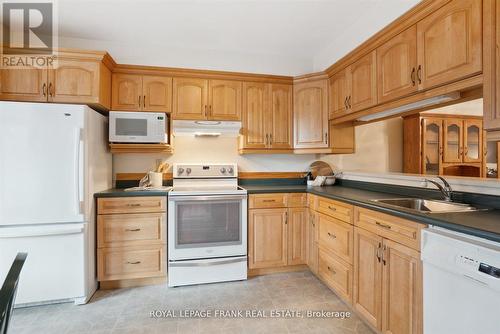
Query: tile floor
(128, 310)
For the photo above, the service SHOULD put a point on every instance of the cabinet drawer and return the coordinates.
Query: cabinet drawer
(336, 274)
(262, 201)
(400, 230)
(130, 262)
(335, 209)
(130, 229)
(297, 200)
(336, 236)
(131, 204)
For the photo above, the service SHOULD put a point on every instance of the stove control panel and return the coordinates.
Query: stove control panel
(192, 171)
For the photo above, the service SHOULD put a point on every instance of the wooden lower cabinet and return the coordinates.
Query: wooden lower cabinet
(296, 235)
(336, 274)
(312, 241)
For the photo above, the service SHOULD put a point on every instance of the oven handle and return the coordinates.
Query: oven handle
(206, 264)
(206, 198)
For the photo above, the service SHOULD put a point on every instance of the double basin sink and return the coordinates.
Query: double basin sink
(427, 205)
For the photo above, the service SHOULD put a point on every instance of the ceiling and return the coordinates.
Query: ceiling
(287, 37)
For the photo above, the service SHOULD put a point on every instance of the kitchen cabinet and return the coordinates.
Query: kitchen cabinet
(132, 92)
(312, 241)
(449, 43)
(338, 93)
(224, 100)
(267, 116)
(311, 114)
(72, 79)
(277, 226)
(397, 66)
(473, 140)
(452, 140)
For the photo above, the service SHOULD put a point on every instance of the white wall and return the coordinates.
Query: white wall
(471, 108)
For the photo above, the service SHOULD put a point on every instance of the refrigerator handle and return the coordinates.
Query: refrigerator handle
(79, 171)
(24, 233)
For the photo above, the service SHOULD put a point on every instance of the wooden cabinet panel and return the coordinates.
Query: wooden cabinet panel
(401, 289)
(335, 209)
(280, 134)
(24, 84)
(342, 137)
(266, 201)
(452, 140)
(311, 114)
(126, 92)
(139, 204)
(297, 224)
(312, 241)
(131, 229)
(190, 98)
(397, 66)
(336, 274)
(224, 98)
(449, 43)
(338, 92)
(74, 81)
(336, 237)
(432, 146)
(297, 200)
(130, 262)
(255, 119)
(267, 239)
(367, 294)
(363, 92)
(473, 140)
(157, 93)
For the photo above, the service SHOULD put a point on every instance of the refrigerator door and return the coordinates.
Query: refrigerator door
(41, 163)
(55, 268)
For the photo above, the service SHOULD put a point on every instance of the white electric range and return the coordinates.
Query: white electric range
(207, 225)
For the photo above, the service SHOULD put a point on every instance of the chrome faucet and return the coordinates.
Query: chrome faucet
(445, 188)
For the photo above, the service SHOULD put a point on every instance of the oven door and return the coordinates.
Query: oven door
(209, 226)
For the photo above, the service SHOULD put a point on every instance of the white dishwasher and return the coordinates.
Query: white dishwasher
(461, 283)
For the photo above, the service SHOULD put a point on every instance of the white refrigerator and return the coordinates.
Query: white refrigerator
(53, 158)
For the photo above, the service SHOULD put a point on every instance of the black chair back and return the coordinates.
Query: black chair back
(8, 292)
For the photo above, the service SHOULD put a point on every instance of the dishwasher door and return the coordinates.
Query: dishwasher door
(461, 283)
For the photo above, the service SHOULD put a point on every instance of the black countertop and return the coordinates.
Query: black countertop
(484, 224)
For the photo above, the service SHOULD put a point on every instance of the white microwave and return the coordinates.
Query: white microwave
(137, 127)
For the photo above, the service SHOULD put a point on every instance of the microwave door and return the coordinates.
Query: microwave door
(130, 127)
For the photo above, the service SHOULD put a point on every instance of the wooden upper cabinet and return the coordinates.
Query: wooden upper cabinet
(190, 98)
(311, 114)
(74, 81)
(224, 99)
(24, 84)
(157, 93)
(280, 134)
(449, 43)
(397, 66)
(338, 93)
(255, 115)
(126, 92)
(267, 238)
(363, 90)
(401, 289)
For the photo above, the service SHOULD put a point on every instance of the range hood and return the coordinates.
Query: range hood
(206, 128)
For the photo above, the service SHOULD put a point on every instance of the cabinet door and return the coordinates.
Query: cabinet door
(339, 92)
(126, 92)
(311, 114)
(297, 223)
(157, 93)
(449, 43)
(267, 238)
(190, 98)
(280, 135)
(397, 66)
(255, 133)
(312, 242)
(367, 295)
(363, 92)
(473, 138)
(74, 81)
(24, 84)
(453, 140)
(432, 145)
(401, 289)
(224, 100)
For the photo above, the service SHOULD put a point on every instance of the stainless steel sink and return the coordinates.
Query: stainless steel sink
(426, 205)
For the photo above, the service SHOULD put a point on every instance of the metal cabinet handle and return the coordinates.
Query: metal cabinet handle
(50, 89)
(206, 115)
(332, 208)
(136, 262)
(132, 229)
(210, 109)
(326, 137)
(144, 101)
(349, 102)
(379, 248)
(312, 221)
(383, 255)
(270, 139)
(44, 89)
(331, 270)
(419, 74)
(139, 101)
(286, 217)
(383, 225)
(268, 200)
(267, 139)
(413, 76)
(345, 103)
(134, 204)
(333, 236)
